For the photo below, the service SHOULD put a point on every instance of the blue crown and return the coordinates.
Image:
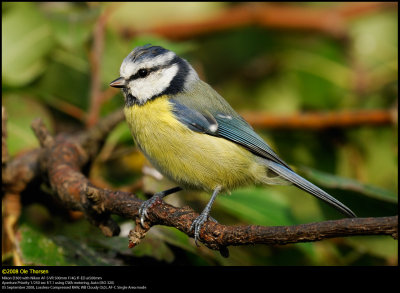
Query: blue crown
(146, 52)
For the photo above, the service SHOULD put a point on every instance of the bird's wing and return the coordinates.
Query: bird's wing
(225, 124)
(193, 119)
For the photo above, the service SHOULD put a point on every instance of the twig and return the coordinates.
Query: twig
(331, 20)
(4, 149)
(322, 120)
(68, 108)
(96, 95)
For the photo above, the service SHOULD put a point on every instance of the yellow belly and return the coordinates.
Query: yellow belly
(191, 159)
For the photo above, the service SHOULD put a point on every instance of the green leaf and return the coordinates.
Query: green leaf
(258, 206)
(332, 181)
(26, 39)
(38, 249)
(335, 73)
(380, 246)
(66, 79)
(173, 236)
(78, 252)
(21, 111)
(72, 24)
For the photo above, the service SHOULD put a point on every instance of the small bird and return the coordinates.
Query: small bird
(193, 136)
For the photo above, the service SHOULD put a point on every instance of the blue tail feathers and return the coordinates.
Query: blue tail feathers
(307, 186)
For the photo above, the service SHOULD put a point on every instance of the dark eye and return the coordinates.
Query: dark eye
(143, 72)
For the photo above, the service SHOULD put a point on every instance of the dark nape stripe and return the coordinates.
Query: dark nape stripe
(178, 82)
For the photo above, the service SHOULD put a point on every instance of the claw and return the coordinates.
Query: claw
(147, 205)
(197, 225)
(142, 221)
(152, 201)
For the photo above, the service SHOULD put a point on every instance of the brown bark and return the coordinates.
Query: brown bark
(343, 119)
(328, 20)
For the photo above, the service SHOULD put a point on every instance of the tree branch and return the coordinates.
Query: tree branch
(322, 120)
(97, 97)
(328, 20)
(62, 159)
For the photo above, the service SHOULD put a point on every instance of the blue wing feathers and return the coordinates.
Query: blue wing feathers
(239, 132)
(232, 128)
(191, 118)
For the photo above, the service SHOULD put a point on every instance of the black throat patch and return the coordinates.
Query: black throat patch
(129, 99)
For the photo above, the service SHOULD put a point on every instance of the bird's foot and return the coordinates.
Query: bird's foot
(148, 204)
(198, 224)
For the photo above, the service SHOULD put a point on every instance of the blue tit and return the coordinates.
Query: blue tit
(193, 136)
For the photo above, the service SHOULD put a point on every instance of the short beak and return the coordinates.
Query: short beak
(118, 83)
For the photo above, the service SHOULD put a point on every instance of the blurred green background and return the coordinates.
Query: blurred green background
(59, 58)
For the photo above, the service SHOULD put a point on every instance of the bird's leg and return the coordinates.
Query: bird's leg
(205, 214)
(150, 202)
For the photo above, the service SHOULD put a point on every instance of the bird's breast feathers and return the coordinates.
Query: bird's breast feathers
(190, 158)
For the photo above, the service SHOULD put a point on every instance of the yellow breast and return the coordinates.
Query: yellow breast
(189, 158)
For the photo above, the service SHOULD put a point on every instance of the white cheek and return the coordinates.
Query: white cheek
(153, 85)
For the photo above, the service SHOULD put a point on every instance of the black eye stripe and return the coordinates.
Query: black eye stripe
(150, 70)
(137, 75)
